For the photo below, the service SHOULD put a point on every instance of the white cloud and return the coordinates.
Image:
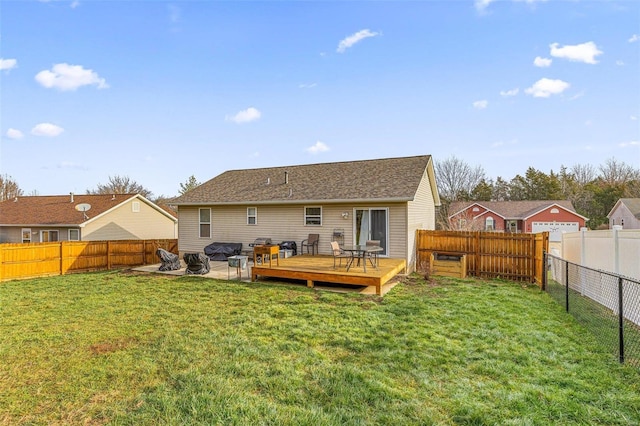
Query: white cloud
(14, 134)
(47, 129)
(546, 87)
(542, 62)
(634, 38)
(630, 143)
(353, 39)
(74, 4)
(7, 64)
(503, 143)
(620, 63)
(318, 147)
(175, 13)
(585, 52)
(307, 86)
(633, 118)
(509, 93)
(480, 104)
(481, 5)
(249, 114)
(69, 77)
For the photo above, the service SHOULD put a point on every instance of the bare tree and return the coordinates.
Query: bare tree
(9, 188)
(613, 172)
(456, 179)
(121, 185)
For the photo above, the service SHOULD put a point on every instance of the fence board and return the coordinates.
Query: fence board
(517, 257)
(30, 260)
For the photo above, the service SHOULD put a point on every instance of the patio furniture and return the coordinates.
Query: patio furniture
(360, 252)
(197, 263)
(237, 262)
(221, 251)
(267, 252)
(340, 254)
(170, 261)
(372, 256)
(311, 243)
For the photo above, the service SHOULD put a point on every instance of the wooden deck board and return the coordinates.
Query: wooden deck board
(319, 268)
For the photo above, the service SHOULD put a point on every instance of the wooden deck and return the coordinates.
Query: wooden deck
(319, 269)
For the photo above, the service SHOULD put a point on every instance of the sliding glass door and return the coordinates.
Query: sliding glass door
(371, 224)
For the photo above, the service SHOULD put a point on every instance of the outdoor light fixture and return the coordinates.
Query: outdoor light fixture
(345, 215)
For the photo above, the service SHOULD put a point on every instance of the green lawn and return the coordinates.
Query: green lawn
(135, 349)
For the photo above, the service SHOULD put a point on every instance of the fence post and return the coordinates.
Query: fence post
(566, 285)
(620, 320)
(544, 270)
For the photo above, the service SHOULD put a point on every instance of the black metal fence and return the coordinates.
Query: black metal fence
(606, 303)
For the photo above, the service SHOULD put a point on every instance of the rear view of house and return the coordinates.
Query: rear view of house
(84, 218)
(349, 202)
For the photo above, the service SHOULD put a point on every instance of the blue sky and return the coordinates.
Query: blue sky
(160, 91)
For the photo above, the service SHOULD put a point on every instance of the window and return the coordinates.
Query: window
(26, 235)
(74, 235)
(489, 224)
(313, 216)
(252, 215)
(48, 236)
(554, 211)
(205, 223)
(135, 206)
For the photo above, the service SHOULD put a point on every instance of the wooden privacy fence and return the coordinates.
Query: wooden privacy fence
(517, 257)
(30, 260)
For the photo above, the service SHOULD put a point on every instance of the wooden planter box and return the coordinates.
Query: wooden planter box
(448, 265)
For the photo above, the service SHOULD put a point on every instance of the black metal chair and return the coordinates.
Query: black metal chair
(373, 257)
(311, 243)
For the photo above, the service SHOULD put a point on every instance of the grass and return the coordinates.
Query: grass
(134, 349)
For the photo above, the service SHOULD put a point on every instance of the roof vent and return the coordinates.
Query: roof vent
(268, 181)
(71, 193)
(286, 177)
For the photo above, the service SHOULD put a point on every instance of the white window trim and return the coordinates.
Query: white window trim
(487, 221)
(306, 216)
(200, 223)
(22, 231)
(255, 215)
(135, 206)
(69, 234)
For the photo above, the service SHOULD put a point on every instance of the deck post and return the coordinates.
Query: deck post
(310, 283)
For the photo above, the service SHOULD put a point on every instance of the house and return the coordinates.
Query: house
(349, 202)
(625, 213)
(84, 218)
(555, 217)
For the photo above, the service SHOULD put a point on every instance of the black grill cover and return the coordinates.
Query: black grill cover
(289, 245)
(221, 251)
(170, 261)
(197, 263)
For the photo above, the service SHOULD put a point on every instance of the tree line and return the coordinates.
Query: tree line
(592, 190)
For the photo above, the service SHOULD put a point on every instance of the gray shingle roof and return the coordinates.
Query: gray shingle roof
(384, 179)
(633, 204)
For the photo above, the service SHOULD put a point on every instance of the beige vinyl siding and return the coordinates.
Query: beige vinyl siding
(284, 223)
(421, 214)
(122, 223)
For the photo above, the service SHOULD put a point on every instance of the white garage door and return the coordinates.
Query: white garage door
(555, 229)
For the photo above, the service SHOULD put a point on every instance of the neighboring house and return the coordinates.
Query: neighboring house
(625, 213)
(555, 216)
(350, 202)
(84, 218)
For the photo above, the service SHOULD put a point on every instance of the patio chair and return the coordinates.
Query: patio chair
(373, 257)
(197, 263)
(170, 261)
(340, 254)
(311, 242)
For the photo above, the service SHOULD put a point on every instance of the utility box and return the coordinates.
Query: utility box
(448, 264)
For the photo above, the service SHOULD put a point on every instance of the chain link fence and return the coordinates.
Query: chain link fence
(606, 303)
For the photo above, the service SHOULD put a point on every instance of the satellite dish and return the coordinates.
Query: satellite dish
(83, 207)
